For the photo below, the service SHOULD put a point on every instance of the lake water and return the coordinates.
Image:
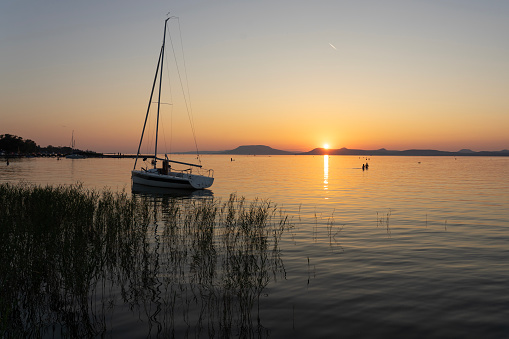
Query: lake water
(412, 247)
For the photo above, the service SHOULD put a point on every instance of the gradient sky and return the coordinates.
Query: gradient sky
(293, 75)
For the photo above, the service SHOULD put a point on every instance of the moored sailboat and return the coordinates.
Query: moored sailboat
(74, 154)
(193, 177)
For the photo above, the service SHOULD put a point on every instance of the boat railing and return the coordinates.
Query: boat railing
(189, 171)
(209, 172)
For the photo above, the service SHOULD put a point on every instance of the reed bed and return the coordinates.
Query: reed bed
(71, 258)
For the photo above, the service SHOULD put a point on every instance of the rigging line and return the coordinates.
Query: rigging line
(170, 90)
(148, 140)
(191, 119)
(183, 91)
(159, 62)
(164, 133)
(171, 129)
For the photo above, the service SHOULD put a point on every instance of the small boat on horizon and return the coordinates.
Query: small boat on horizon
(74, 154)
(166, 176)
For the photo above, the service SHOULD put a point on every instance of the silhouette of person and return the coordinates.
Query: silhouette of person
(363, 167)
(367, 165)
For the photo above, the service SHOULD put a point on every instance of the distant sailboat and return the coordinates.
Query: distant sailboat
(166, 176)
(74, 154)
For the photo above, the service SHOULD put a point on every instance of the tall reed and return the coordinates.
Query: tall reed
(71, 257)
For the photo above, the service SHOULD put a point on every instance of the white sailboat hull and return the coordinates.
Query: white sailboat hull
(171, 180)
(75, 156)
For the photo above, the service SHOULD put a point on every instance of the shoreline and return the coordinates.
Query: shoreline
(389, 154)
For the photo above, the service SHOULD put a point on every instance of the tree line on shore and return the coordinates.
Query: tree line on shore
(13, 144)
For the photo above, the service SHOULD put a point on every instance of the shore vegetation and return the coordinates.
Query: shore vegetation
(72, 258)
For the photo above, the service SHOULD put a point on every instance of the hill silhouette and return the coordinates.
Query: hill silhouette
(256, 150)
(410, 152)
(267, 150)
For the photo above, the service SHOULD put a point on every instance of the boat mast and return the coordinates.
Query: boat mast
(160, 83)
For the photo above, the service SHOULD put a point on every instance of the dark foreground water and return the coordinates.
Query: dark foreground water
(412, 247)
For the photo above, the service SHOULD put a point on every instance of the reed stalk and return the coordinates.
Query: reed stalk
(71, 256)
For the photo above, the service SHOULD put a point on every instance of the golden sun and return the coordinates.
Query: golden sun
(326, 146)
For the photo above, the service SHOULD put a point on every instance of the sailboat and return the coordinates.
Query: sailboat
(166, 176)
(73, 154)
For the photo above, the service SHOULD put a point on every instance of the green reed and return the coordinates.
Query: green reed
(55, 242)
(198, 264)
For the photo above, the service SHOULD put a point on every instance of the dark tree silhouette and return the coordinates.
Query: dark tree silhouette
(13, 144)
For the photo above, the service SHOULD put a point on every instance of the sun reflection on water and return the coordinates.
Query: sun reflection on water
(325, 172)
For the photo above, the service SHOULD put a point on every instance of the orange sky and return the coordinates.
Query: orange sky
(291, 75)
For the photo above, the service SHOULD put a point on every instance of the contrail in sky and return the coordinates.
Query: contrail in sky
(333, 46)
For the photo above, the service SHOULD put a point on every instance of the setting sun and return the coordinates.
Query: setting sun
(326, 146)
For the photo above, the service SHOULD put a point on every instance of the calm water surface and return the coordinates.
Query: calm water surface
(412, 247)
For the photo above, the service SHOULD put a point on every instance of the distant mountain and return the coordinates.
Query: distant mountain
(247, 150)
(346, 151)
(256, 150)
(266, 150)
(411, 152)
